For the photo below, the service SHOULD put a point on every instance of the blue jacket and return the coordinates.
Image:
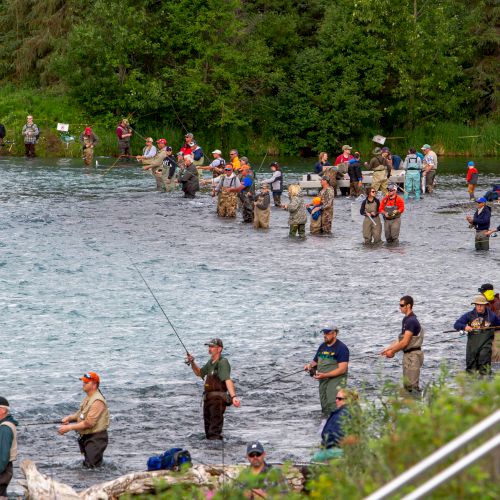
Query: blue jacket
(333, 431)
(470, 316)
(481, 222)
(6, 438)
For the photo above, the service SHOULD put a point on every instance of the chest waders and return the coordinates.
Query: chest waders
(413, 359)
(215, 401)
(227, 201)
(479, 347)
(328, 387)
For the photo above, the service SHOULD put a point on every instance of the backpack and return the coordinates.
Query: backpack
(172, 459)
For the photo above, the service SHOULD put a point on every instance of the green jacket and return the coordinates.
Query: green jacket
(6, 438)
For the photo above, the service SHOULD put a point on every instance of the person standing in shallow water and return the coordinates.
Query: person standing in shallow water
(372, 225)
(410, 342)
(262, 208)
(276, 183)
(219, 388)
(327, 195)
(124, 135)
(480, 221)
(8, 446)
(297, 209)
(331, 362)
(92, 422)
(392, 207)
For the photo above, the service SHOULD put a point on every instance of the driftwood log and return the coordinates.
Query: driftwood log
(209, 477)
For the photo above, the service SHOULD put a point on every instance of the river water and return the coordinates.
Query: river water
(71, 302)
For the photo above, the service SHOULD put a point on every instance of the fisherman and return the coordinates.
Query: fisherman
(386, 153)
(169, 170)
(262, 210)
(391, 207)
(235, 161)
(219, 388)
(190, 180)
(246, 191)
(327, 196)
(430, 164)
(92, 422)
(155, 165)
(276, 183)
(330, 366)
(262, 477)
(8, 445)
(472, 176)
(31, 133)
(297, 209)
(480, 221)
(412, 165)
(218, 164)
(197, 154)
(410, 342)
(315, 210)
(88, 140)
(493, 305)
(479, 336)
(124, 133)
(372, 225)
(187, 149)
(227, 189)
(355, 175)
(379, 165)
(149, 150)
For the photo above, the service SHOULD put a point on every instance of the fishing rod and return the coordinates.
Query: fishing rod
(463, 332)
(112, 166)
(159, 305)
(312, 372)
(50, 422)
(370, 217)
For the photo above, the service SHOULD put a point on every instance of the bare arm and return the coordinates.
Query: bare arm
(398, 346)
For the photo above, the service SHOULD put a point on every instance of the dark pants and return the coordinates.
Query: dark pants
(478, 352)
(213, 415)
(298, 228)
(277, 199)
(29, 150)
(92, 447)
(5, 478)
(482, 242)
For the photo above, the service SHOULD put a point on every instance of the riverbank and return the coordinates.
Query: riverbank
(52, 107)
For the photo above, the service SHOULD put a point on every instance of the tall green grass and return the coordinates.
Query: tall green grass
(50, 107)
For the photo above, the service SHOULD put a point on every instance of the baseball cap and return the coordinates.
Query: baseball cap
(4, 402)
(216, 152)
(162, 140)
(149, 139)
(330, 328)
(486, 286)
(215, 342)
(470, 164)
(169, 148)
(392, 187)
(481, 200)
(346, 147)
(386, 150)
(480, 299)
(274, 164)
(88, 130)
(90, 376)
(254, 446)
(376, 151)
(426, 146)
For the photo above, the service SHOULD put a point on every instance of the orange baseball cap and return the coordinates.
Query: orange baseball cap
(91, 377)
(316, 201)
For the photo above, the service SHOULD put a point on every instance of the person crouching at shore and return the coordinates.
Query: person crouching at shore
(297, 209)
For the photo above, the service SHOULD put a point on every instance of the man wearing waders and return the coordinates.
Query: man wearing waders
(391, 207)
(413, 167)
(8, 445)
(479, 336)
(92, 422)
(227, 193)
(410, 342)
(219, 388)
(331, 362)
(480, 221)
(89, 141)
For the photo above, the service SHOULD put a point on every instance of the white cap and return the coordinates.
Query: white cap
(217, 152)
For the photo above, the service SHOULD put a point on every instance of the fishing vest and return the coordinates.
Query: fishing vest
(212, 381)
(125, 130)
(102, 422)
(13, 446)
(480, 322)
(412, 163)
(391, 209)
(415, 342)
(380, 167)
(279, 181)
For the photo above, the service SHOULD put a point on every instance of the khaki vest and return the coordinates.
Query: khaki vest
(13, 447)
(416, 340)
(102, 422)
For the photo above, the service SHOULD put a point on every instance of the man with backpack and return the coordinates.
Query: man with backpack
(219, 388)
(31, 134)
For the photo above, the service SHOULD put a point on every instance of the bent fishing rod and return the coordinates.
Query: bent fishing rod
(159, 305)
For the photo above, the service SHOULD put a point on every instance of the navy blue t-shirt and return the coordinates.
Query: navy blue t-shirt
(337, 351)
(411, 324)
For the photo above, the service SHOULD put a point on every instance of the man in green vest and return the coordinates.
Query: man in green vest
(8, 445)
(92, 422)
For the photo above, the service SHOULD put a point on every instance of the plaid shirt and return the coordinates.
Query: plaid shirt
(30, 133)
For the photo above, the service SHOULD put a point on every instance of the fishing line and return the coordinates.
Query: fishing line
(159, 305)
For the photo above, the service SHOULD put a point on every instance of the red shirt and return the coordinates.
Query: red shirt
(342, 159)
(388, 202)
(471, 172)
(186, 149)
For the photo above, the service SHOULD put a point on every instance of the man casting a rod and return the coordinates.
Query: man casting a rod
(219, 388)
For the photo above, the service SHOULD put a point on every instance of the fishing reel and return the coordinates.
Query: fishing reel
(312, 371)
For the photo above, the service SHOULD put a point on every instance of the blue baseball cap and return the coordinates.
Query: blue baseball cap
(481, 200)
(470, 164)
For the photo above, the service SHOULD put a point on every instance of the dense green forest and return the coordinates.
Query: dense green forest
(291, 75)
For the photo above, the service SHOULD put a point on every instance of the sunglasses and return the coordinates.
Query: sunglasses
(254, 454)
(402, 305)
(339, 399)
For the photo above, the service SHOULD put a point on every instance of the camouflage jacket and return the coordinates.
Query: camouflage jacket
(297, 209)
